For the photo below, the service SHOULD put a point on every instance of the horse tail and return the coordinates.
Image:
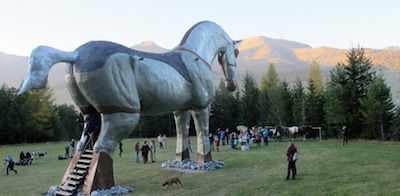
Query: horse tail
(41, 61)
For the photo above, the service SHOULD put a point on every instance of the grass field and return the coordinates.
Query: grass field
(324, 168)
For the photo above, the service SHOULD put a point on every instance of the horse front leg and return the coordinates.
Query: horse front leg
(182, 120)
(114, 128)
(201, 121)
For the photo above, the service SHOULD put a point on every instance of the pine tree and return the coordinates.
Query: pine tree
(224, 112)
(314, 105)
(285, 103)
(315, 96)
(376, 110)
(42, 102)
(314, 74)
(347, 85)
(249, 110)
(69, 126)
(298, 103)
(335, 98)
(270, 80)
(268, 93)
(395, 128)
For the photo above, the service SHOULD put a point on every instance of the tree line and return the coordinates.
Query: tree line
(354, 94)
(33, 117)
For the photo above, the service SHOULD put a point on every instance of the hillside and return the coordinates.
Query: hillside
(326, 56)
(291, 59)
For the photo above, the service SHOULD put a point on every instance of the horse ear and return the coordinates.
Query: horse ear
(237, 41)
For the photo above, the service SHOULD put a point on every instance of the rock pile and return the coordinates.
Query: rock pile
(115, 190)
(190, 164)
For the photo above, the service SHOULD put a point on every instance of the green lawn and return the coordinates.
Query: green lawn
(324, 168)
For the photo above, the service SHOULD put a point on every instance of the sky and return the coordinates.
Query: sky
(65, 25)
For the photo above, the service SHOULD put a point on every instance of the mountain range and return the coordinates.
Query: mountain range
(290, 58)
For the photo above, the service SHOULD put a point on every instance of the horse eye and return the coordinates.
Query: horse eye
(236, 53)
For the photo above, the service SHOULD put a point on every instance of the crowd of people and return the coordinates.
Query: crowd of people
(162, 140)
(148, 150)
(25, 158)
(243, 136)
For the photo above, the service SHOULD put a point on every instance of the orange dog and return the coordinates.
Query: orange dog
(171, 181)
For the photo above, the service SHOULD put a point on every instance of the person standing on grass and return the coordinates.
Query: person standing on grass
(217, 140)
(152, 147)
(211, 138)
(160, 141)
(10, 164)
(227, 136)
(222, 137)
(265, 134)
(72, 147)
(344, 135)
(137, 149)
(164, 140)
(232, 138)
(67, 151)
(120, 148)
(291, 163)
(145, 152)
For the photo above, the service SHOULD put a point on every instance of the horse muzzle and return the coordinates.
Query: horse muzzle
(230, 85)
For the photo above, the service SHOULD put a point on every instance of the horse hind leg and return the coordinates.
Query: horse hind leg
(80, 101)
(114, 128)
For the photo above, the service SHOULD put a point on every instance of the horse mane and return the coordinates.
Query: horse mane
(187, 34)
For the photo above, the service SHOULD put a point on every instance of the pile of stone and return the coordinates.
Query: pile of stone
(192, 165)
(115, 190)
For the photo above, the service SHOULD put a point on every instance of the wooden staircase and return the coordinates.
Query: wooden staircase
(75, 175)
(87, 171)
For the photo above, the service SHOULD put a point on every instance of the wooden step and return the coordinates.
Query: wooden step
(78, 171)
(68, 188)
(83, 166)
(89, 156)
(71, 182)
(85, 161)
(77, 177)
(88, 151)
(65, 193)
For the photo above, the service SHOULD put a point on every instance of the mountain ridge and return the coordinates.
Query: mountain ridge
(290, 58)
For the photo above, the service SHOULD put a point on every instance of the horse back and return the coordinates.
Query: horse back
(94, 54)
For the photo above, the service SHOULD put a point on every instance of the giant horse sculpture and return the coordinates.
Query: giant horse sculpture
(122, 84)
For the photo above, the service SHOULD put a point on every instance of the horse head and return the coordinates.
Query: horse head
(207, 40)
(227, 60)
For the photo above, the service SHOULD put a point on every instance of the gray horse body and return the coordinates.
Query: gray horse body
(136, 76)
(172, 93)
(122, 84)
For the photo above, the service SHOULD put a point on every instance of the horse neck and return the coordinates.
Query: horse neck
(205, 44)
(205, 51)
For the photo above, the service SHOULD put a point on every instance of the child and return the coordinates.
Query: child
(10, 164)
(217, 143)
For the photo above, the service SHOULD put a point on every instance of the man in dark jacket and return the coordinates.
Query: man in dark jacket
(291, 163)
(145, 152)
